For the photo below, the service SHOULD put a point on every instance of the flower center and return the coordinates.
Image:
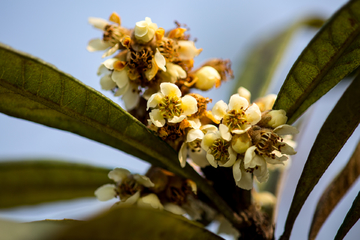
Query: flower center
(170, 107)
(267, 144)
(235, 119)
(220, 150)
(128, 187)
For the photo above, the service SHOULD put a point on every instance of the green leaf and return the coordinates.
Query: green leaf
(132, 223)
(338, 127)
(335, 192)
(34, 90)
(351, 218)
(330, 56)
(33, 182)
(39, 230)
(261, 62)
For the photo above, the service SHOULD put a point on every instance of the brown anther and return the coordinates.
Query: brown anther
(126, 41)
(119, 65)
(201, 104)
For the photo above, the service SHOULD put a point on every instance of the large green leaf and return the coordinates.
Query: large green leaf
(338, 127)
(351, 218)
(331, 55)
(133, 223)
(34, 90)
(335, 192)
(260, 64)
(32, 182)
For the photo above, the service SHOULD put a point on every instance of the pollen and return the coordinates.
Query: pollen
(219, 149)
(235, 119)
(170, 107)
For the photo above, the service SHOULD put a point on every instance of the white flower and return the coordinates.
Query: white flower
(238, 116)
(145, 30)
(243, 178)
(278, 117)
(207, 77)
(106, 192)
(128, 186)
(257, 164)
(266, 103)
(218, 150)
(150, 200)
(187, 50)
(173, 73)
(192, 144)
(243, 92)
(168, 104)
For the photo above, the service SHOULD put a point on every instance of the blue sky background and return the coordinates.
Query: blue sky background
(58, 32)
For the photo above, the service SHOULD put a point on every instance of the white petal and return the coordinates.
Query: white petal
(237, 171)
(170, 89)
(154, 100)
(211, 160)
(187, 50)
(236, 102)
(175, 209)
(160, 60)
(141, 28)
(121, 78)
(150, 200)
(98, 22)
(194, 134)
(111, 51)
(286, 129)
(231, 160)
(156, 118)
(195, 123)
(118, 174)
(253, 114)
(97, 44)
(277, 160)
(209, 128)
(102, 70)
(109, 63)
(199, 158)
(262, 173)
(238, 131)
(122, 91)
(175, 70)
(219, 109)
(246, 181)
(249, 155)
(189, 105)
(224, 132)
(131, 97)
(243, 92)
(182, 155)
(287, 149)
(107, 83)
(132, 199)
(143, 180)
(105, 192)
(176, 119)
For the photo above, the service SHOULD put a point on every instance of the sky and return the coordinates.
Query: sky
(58, 32)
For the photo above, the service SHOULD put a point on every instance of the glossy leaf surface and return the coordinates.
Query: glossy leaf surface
(133, 223)
(33, 182)
(338, 127)
(330, 56)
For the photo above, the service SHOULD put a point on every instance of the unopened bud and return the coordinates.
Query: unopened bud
(278, 117)
(243, 92)
(241, 142)
(145, 30)
(207, 77)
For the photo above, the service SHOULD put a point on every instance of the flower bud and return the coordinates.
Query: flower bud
(278, 117)
(243, 92)
(241, 142)
(145, 30)
(207, 78)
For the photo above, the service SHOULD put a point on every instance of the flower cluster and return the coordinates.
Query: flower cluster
(158, 189)
(153, 72)
(147, 56)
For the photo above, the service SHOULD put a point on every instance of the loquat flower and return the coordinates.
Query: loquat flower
(207, 77)
(169, 105)
(145, 30)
